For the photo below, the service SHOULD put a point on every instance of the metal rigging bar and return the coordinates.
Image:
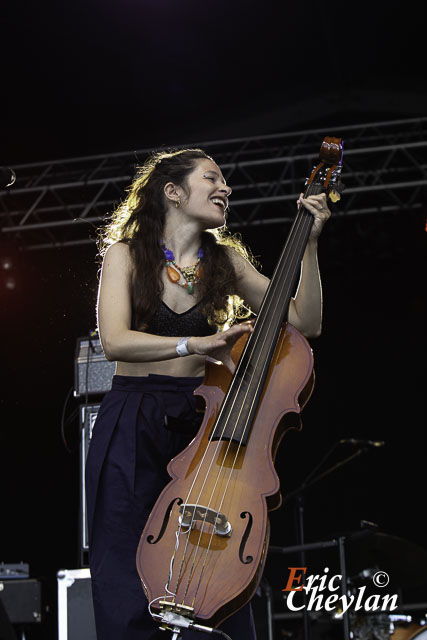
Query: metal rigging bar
(63, 202)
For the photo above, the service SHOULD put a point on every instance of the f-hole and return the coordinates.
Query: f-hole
(245, 536)
(165, 522)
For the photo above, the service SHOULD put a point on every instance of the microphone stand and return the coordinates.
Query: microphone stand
(299, 495)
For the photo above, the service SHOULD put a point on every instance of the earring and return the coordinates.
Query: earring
(177, 203)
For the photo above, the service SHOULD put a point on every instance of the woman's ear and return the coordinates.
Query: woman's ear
(172, 192)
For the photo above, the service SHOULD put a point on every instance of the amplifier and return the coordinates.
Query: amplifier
(88, 415)
(75, 609)
(13, 571)
(93, 373)
(22, 600)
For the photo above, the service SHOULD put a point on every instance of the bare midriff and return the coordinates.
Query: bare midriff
(188, 366)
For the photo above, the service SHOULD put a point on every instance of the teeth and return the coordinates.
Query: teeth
(218, 201)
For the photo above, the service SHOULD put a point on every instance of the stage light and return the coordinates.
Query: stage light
(6, 263)
(10, 283)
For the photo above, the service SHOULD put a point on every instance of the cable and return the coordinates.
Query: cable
(71, 417)
(221, 633)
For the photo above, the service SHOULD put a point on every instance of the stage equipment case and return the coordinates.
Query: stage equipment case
(75, 609)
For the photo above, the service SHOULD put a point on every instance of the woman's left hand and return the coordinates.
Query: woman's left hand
(317, 205)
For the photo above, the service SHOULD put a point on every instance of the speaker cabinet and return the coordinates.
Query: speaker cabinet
(88, 415)
(93, 373)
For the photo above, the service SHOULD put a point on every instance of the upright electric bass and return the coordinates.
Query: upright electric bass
(202, 551)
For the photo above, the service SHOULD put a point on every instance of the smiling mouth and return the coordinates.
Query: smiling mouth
(219, 203)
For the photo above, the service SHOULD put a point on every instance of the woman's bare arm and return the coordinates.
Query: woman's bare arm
(305, 310)
(121, 343)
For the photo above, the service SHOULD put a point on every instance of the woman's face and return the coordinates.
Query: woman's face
(208, 195)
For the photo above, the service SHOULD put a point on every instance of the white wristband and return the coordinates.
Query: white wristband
(181, 347)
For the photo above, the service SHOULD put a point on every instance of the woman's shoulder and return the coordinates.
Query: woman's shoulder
(118, 255)
(118, 250)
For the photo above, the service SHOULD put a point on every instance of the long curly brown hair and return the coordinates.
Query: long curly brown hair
(139, 221)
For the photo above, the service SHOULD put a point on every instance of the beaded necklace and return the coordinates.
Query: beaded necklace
(184, 276)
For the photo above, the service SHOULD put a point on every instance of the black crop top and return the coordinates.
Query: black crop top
(192, 322)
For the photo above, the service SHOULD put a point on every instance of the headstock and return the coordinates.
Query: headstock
(326, 176)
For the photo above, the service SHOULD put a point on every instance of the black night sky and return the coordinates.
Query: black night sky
(102, 76)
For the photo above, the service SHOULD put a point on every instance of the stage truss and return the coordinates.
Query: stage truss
(63, 202)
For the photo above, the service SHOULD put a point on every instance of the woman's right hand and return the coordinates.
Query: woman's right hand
(219, 345)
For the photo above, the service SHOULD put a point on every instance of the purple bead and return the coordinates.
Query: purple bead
(168, 253)
(200, 253)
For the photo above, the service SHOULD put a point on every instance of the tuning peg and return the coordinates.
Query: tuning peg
(335, 191)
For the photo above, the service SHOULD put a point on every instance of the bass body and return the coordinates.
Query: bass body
(214, 573)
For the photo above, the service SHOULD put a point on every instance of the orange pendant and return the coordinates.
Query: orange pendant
(173, 275)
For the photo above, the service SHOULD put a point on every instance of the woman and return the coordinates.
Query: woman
(159, 320)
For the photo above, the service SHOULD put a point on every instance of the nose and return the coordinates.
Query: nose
(226, 189)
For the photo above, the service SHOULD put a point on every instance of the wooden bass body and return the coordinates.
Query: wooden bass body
(220, 484)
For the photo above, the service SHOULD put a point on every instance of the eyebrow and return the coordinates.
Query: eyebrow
(215, 173)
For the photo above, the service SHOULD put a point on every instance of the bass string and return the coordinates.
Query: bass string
(260, 354)
(305, 232)
(206, 554)
(305, 223)
(293, 249)
(210, 500)
(302, 232)
(179, 530)
(252, 342)
(190, 525)
(274, 299)
(265, 364)
(282, 263)
(299, 235)
(214, 454)
(276, 284)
